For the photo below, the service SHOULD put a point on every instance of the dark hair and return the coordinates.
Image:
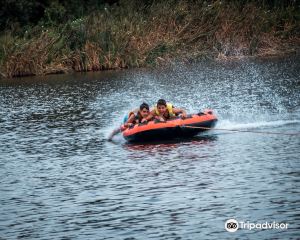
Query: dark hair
(161, 102)
(144, 105)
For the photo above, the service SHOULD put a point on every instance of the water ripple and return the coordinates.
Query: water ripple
(61, 179)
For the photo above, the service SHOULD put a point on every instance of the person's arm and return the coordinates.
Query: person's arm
(130, 120)
(144, 120)
(150, 116)
(179, 110)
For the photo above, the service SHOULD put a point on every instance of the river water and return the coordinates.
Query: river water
(61, 179)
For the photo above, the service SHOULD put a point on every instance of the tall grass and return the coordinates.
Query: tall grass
(131, 34)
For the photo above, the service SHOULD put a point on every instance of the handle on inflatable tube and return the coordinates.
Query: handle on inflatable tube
(208, 111)
(143, 123)
(158, 121)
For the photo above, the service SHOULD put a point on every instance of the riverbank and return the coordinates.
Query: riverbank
(130, 34)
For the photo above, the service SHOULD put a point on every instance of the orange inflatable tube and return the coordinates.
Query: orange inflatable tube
(170, 129)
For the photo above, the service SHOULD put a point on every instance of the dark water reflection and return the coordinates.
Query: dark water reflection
(61, 179)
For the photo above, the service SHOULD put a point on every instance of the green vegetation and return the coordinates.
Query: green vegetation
(58, 36)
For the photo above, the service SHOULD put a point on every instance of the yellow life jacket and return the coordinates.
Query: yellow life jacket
(169, 109)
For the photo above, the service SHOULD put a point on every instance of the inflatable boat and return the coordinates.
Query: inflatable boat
(171, 129)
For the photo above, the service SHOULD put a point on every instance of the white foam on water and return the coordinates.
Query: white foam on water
(114, 124)
(237, 125)
(242, 96)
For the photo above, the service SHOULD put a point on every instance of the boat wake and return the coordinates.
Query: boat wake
(252, 125)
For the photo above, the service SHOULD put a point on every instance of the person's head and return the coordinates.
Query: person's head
(144, 110)
(161, 106)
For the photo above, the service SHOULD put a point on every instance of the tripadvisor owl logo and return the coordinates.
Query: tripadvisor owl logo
(231, 225)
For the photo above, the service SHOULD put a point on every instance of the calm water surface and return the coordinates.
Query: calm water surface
(61, 179)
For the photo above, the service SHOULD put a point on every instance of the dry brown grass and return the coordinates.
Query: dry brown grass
(32, 59)
(122, 37)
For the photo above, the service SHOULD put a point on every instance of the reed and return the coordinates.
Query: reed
(132, 34)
